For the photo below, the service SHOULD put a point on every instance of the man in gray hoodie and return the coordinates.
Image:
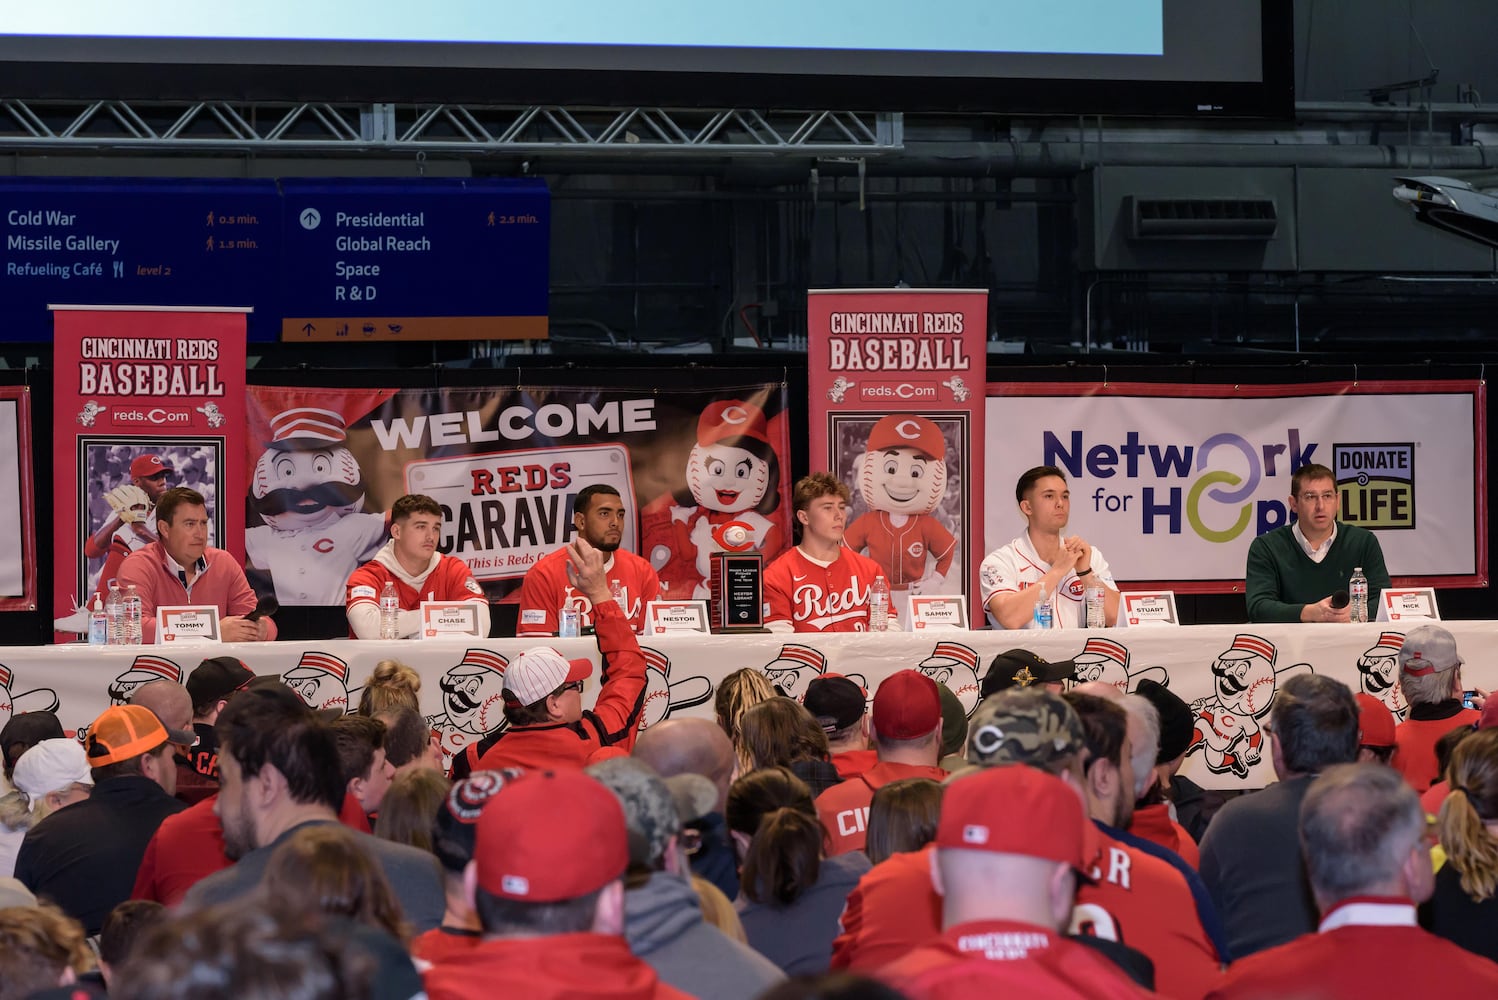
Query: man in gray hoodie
(663, 918)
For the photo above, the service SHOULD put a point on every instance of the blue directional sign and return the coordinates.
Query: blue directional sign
(437, 259)
(431, 259)
(137, 242)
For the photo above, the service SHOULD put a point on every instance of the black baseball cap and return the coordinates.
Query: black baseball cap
(1176, 719)
(217, 677)
(835, 702)
(25, 731)
(1021, 668)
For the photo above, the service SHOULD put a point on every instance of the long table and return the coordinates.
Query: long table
(1228, 673)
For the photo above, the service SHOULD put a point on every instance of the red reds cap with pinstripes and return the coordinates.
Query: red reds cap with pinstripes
(1106, 647)
(1245, 645)
(158, 665)
(486, 658)
(954, 651)
(800, 656)
(304, 422)
(326, 662)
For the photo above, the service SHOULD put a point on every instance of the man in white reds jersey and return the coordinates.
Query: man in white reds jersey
(309, 491)
(1012, 577)
(598, 515)
(821, 585)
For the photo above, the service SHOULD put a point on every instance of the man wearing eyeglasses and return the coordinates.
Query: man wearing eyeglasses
(1294, 571)
(543, 687)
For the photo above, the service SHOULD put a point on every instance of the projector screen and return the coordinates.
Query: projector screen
(1153, 57)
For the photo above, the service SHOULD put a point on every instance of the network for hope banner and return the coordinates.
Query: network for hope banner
(1173, 482)
(143, 399)
(506, 465)
(896, 413)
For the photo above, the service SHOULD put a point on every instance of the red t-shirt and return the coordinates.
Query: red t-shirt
(186, 848)
(893, 909)
(813, 598)
(546, 590)
(844, 808)
(1141, 901)
(1006, 958)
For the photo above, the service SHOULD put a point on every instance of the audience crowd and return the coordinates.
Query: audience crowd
(834, 842)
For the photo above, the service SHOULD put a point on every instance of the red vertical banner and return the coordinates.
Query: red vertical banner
(896, 379)
(144, 399)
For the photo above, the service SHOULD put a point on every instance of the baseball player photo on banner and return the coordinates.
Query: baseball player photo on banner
(506, 464)
(896, 415)
(1174, 482)
(144, 399)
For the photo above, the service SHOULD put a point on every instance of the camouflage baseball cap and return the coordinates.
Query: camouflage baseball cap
(1024, 726)
(650, 810)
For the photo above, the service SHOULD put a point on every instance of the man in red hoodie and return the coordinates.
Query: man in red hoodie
(543, 689)
(906, 726)
(547, 881)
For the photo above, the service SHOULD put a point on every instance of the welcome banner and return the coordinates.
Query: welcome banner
(1173, 482)
(506, 464)
(143, 399)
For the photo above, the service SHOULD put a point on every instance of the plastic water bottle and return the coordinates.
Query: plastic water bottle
(390, 612)
(617, 589)
(98, 623)
(1358, 588)
(1097, 613)
(879, 605)
(1043, 612)
(114, 612)
(132, 610)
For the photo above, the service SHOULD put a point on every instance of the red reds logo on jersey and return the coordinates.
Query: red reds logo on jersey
(917, 549)
(323, 545)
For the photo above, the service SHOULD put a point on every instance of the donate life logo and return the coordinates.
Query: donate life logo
(1218, 479)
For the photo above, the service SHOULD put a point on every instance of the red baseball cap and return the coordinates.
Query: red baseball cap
(146, 466)
(908, 430)
(732, 418)
(907, 706)
(1018, 809)
(1375, 722)
(550, 836)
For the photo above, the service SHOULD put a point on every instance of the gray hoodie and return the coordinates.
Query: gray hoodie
(664, 926)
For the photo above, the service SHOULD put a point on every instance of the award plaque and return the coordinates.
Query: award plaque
(735, 591)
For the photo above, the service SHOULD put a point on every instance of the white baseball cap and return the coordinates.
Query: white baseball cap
(538, 672)
(51, 766)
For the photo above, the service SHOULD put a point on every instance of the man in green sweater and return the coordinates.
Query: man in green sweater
(1294, 570)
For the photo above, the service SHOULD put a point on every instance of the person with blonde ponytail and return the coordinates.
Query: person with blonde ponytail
(790, 893)
(50, 775)
(1464, 907)
(393, 685)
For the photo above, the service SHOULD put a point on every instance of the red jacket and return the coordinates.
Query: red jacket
(613, 721)
(844, 808)
(1154, 824)
(1006, 958)
(559, 967)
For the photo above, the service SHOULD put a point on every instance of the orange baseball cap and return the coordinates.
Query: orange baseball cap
(122, 732)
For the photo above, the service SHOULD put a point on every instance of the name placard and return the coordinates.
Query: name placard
(1408, 603)
(929, 612)
(676, 617)
(1154, 608)
(441, 619)
(187, 624)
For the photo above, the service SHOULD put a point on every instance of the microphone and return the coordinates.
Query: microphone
(268, 606)
(1340, 600)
